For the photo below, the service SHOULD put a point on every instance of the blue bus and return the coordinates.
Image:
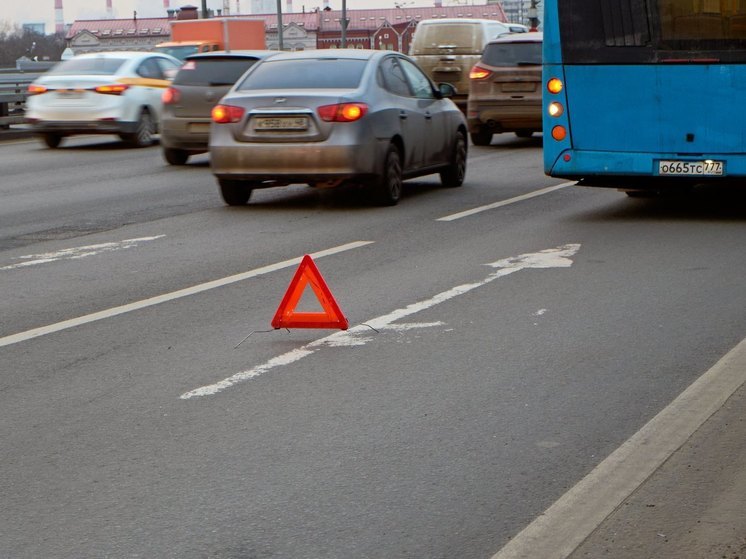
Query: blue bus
(645, 95)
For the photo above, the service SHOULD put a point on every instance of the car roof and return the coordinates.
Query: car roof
(331, 54)
(530, 37)
(119, 54)
(232, 54)
(461, 20)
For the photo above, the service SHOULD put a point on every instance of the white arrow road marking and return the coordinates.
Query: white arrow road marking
(186, 292)
(77, 252)
(361, 334)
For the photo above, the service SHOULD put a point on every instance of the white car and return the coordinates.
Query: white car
(101, 93)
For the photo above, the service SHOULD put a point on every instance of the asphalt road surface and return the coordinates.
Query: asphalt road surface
(506, 340)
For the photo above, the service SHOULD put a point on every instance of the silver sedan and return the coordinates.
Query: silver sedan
(329, 117)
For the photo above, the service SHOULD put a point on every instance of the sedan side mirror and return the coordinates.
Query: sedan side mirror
(446, 90)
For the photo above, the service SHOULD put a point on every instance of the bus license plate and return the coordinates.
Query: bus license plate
(706, 168)
(282, 123)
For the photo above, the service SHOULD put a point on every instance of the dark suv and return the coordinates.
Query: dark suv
(196, 89)
(505, 90)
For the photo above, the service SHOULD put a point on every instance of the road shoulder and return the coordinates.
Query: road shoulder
(694, 505)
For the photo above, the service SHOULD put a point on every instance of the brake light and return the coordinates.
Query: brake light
(225, 114)
(342, 112)
(478, 73)
(113, 89)
(36, 89)
(171, 96)
(559, 133)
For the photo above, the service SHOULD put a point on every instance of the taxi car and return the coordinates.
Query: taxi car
(329, 117)
(101, 93)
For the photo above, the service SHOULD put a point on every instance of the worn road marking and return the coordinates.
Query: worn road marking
(534, 194)
(559, 530)
(36, 332)
(77, 252)
(361, 334)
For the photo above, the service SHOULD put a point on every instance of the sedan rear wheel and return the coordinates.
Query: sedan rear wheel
(235, 192)
(143, 135)
(481, 138)
(175, 156)
(51, 140)
(453, 175)
(388, 186)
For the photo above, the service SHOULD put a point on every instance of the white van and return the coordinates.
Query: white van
(446, 49)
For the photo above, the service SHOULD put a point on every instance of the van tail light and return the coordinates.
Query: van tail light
(171, 96)
(226, 114)
(36, 89)
(342, 112)
(113, 89)
(479, 73)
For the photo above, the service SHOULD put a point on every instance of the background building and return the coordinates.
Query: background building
(382, 29)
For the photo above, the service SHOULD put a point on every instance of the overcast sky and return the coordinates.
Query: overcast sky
(38, 11)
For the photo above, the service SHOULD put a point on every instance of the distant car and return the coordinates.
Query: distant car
(101, 93)
(446, 49)
(326, 117)
(196, 89)
(505, 92)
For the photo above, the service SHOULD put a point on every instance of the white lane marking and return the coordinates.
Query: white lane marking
(534, 194)
(78, 252)
(362, 333)
(36, 332)
(558, 531)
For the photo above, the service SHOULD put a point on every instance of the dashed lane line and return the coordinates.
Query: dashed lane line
(108, 313)
(527, 196)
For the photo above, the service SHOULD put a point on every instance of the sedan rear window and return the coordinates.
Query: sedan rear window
(306, 73)
(88, 66)
(213, 71)
(512, 54)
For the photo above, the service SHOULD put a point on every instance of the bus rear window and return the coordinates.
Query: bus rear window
(651, 31)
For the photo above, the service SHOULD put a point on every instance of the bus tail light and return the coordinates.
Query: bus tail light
(559, 133)
(226, 114)
(479, 73)
(555, 86)
(555, 109)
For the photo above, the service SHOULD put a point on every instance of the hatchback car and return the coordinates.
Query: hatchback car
(328, 117)
(505, 92)
(196, 89)
(101, 93)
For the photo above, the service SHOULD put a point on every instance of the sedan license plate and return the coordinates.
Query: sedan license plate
(706, 168)
(281, 123)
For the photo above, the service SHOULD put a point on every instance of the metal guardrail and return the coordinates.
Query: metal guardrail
(13, 93)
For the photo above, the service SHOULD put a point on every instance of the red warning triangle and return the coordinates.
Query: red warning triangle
(287, 317)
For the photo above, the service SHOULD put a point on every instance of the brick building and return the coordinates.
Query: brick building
(384, 29)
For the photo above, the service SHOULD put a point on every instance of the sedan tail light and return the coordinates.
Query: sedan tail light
(342, 112)
(479, 73)
(36, 89)
(171, 96)
(226, 114)
(113, 89)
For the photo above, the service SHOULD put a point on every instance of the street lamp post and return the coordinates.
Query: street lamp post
(344, 23)
(533, 15)
(279, 25)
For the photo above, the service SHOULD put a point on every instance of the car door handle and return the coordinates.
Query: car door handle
(403, 115)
